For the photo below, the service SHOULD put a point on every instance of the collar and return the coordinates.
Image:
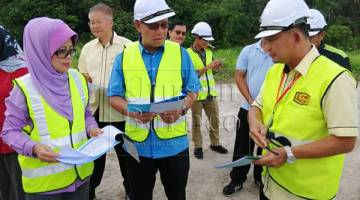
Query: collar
(305, 63)
(258, 46)
(322, 45)
(115, 39)
(142, 49)
(196, 51)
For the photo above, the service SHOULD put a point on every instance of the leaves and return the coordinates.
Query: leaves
(234, 22)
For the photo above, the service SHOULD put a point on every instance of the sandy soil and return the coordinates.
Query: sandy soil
(205, 182)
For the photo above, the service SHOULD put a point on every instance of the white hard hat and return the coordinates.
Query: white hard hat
(152, 11)
(203, 30)
(317, 22)
(281, 14)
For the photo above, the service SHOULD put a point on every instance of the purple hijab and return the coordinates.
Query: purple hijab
(42, 37)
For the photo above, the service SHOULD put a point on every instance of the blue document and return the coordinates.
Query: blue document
(159, 107)
(246, 160)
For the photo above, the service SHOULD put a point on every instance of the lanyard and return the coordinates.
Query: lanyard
(283, 94)
(286, 90)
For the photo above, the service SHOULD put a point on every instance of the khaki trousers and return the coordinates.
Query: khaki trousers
(211, 109)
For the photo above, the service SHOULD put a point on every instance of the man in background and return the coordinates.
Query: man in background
(204, 64)
(251, 68)
(96, 63)
(317, 34)
(177, 32)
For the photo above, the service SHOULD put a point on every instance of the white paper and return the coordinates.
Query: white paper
(92, 149)
(131, 149)
(101, 143)
(246, 160)
(166, 106)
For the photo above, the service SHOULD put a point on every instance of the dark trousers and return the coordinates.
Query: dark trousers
(261, 193)
(10, 178)
(174, 172)
(99, 164)
(244, 146)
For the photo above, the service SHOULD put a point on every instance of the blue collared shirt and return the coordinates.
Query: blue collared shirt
(153, 147)
(256, 62)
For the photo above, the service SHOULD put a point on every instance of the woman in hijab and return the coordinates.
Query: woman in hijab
(48, 109)
(12, 65)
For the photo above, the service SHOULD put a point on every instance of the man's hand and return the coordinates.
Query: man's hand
(273, 160)
(216, 64)
(87, 77)
(258, 132)
(171, 116)
(95, 132)
(44, 153)
(142, 117)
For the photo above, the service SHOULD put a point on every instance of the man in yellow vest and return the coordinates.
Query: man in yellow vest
(298, 116)
(202, 58)
(152, 70)
(317, 34)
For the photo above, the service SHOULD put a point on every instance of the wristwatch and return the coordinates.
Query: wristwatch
(289, 154)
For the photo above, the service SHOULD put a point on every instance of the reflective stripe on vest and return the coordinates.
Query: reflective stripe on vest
(79, 86)
(207, 80)
(299, 117)
(54, 130)
(46, 170)
(335, 50)
(140, 91)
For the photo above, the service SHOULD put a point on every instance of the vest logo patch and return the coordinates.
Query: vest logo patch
(302, 98)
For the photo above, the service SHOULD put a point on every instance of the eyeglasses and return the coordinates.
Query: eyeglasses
(63, 52)
(155, 26)
(93, 23)
(180, 32)
(280, 141)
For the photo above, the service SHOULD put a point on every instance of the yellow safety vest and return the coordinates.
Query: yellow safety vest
(54, 130)
(299, 117)
(207, 80)
(139, 90)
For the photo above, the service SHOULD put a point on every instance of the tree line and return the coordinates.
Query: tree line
(234, 22)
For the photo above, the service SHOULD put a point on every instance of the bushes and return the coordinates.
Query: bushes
(341, 37)
(234, 22)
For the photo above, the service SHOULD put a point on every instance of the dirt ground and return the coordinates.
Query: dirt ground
(205, 182)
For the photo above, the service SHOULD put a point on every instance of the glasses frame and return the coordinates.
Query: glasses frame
(156, 25)
(67, 52)
(178, 32)
(98, 22)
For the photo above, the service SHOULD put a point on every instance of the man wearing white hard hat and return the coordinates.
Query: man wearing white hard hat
(152, 70)
(317, 34)
(202, 58)
(298, 116)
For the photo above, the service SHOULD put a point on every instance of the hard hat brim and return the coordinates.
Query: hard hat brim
(267, 33)
(313, 33)
(159, 18)
(208, 38)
